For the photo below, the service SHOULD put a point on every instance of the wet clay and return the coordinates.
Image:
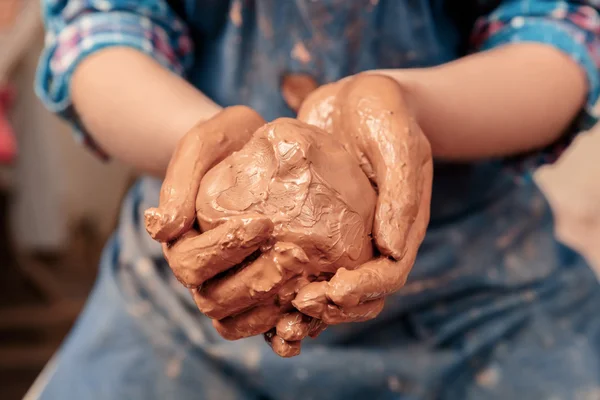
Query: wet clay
(200, 149)
(319, 200)
(321, 205)
(287, 216)
(370, 116)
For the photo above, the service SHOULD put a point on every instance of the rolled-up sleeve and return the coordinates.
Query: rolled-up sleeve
(77, 28)
(572, 27)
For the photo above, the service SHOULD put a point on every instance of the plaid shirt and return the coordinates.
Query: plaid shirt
(77, 28)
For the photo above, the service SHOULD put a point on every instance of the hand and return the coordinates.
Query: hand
(289, 208)
(196, 257)
(371, 116)
(321, 205)
(204, 146)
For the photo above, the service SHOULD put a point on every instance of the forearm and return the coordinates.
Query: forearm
(135, 109)
(502, 102)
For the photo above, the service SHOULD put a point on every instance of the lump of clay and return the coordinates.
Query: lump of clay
(320, 202)
(291, 207)
(287, 213)
(304, 181)
(295, 88)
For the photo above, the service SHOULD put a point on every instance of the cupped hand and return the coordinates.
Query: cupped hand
(371, 115)
(321, 206)
(289, 208)
(204, 146)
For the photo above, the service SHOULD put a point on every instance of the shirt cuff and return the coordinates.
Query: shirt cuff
(90, 33)
(562, 36)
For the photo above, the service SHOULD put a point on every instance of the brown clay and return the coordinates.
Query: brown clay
(201, 257)
(281, 347)
(200, 149)
(287, 217)
(370, 116)
(297, 176)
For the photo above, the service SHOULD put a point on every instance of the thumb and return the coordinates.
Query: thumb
(391, 148)
(205, 145)
(403, 201)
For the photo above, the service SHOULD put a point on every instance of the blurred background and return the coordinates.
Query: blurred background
(58, 205)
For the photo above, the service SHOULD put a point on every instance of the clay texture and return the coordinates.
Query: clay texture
(290, 213)
(321, 206)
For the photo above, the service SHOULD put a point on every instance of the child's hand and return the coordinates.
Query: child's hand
(291, 207)
(370, 114)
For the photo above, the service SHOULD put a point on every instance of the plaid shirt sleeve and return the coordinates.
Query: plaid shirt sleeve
(77, 28)
(571, 26)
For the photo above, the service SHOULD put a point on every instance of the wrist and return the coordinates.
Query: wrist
(193, 114)
(409, 82)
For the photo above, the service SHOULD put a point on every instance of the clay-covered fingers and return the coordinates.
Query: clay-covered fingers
(282, 347)
(357, 295)
(376, 118)
(383, 276)
(283, 328)
(205, 145)
(263, 318)
(255, 321)
(402, 205)
(251, 284)
(335, 314)
(197, 257)
(282, 331)
(312, 301)
(294, 326)
(286, 338)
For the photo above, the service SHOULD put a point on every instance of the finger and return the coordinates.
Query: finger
(397, 215)
(389, 146)
(295, 88)
(282, 347)
(317, 328)
(200, 149)
(270, 314)
(312, 300)
(319, 107)
(252, 284)
(288, 291)
(335, 315)
(255, 321)
(383, 276)
(294, 326)
(195, 257)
